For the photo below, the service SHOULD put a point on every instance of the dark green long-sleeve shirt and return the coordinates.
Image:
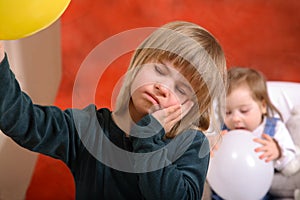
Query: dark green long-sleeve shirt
(104, 162)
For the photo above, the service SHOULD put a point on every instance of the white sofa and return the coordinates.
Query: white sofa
(285, 96)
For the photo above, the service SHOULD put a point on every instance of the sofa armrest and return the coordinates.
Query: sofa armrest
(284, 95)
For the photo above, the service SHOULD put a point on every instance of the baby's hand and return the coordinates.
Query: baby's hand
(270, 149)
(216, 146)
(169, 116)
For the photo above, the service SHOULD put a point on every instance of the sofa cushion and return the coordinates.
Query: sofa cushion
(293, 125)
(284, 95)
(284, 186)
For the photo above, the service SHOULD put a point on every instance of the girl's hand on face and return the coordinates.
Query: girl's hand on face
(270, 149)
(169, 116)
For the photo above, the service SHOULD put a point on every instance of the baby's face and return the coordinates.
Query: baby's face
(158, 86)
(242, 111)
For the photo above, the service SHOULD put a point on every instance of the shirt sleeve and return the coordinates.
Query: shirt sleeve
(171, 169)
(43, 129)
(286, 144)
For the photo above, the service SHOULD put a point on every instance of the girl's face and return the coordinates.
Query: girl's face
(242, 111)
(157, 86)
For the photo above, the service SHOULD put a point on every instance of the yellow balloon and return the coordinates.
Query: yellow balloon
(22, 18)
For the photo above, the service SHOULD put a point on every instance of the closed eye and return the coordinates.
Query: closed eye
(181, 90)
(244, 111)
(160, 70)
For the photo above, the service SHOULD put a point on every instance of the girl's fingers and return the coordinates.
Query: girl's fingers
(168, 117)
(167, 114)
(186, 107)
(179, 113)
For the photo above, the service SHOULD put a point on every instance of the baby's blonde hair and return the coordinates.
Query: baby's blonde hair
(256, 82)
(199, 57)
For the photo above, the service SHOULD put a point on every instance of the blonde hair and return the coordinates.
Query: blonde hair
(198, 56)
(256, 82)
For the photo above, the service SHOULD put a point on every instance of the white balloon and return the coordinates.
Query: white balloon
(236, 172)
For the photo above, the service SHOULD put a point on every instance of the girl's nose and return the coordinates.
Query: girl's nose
(161, 90)
(236, 117)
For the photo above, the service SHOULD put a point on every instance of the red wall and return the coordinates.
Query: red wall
(254, 33)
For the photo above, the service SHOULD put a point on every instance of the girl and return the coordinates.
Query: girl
(152, 146)
(248, 106)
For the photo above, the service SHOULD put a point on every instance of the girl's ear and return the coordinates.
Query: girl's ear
(263, 107)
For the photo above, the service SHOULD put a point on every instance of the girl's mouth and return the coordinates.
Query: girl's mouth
(241, 128)
(152, 99)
